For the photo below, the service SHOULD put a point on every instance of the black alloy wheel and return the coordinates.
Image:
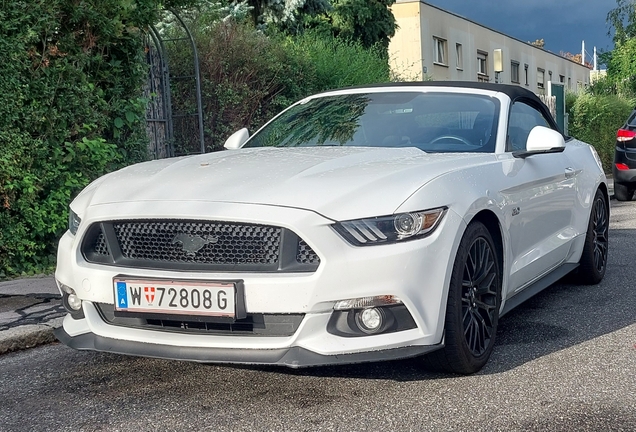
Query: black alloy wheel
(600, 230)
(593, 261)
(472, 309)
(479, 297)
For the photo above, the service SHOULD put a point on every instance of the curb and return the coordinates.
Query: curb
(28, 336)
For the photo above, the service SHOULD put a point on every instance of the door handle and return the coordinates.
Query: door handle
(570, 172)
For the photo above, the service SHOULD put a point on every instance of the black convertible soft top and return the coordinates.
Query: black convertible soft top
(514, 92)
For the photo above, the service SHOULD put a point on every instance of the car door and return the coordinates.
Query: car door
(539, 200)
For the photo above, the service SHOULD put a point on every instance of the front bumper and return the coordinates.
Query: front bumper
(417, 272)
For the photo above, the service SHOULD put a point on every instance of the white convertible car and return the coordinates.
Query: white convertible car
(358, 225)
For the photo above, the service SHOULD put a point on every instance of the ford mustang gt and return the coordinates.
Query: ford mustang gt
(361, 224)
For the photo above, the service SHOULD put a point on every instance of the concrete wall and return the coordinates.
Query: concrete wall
(412, 51)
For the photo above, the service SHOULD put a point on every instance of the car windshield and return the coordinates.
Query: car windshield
(432, 122)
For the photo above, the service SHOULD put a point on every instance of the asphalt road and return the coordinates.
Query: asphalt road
(564, 361)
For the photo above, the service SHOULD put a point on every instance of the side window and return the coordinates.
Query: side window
(523, 118)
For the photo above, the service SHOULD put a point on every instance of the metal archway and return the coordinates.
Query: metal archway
(170, 121)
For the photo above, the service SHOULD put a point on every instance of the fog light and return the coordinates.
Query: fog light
(370, 320)
(74, 302)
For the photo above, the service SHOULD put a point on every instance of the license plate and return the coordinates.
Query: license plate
(175, 297)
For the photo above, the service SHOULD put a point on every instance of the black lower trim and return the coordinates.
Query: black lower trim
(537, 287)
(254, 324)
(294, 357)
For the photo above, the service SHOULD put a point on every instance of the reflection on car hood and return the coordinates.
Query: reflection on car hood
(337, 182)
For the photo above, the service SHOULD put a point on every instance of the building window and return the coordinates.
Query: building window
(440, 50)
(525, 67)
(514, 72)
(562, 79)
(540, 78)
(460, 56)
(482, 66)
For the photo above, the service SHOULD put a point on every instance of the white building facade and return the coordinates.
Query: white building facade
(432, 43)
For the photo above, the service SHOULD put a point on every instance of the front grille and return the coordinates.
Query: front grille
(199, 242)
(252, 325)
(306, 254)
(198, 246)
(100, 246)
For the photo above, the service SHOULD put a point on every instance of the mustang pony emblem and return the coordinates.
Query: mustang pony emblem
(191, 244)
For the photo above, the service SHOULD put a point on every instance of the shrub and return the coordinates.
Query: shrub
(336, 63)
(71, 79)
(595, 120)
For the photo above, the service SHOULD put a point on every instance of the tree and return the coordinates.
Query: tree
(575, 58)
(367, 22)
(621, 61)
(623, 20)
(621, 68)
(284, 13)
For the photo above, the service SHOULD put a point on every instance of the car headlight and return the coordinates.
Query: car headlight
(73, 221)
(390, 229)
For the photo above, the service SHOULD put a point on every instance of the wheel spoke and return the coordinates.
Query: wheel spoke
(486, 272)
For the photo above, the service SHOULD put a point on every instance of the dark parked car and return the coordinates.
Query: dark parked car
(624, 168)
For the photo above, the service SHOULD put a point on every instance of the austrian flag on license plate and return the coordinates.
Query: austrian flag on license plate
(175, 297)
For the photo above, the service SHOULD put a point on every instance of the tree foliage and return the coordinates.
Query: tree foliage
(285, 13)
(621, 68)
(539, 43)
(621, 61)
(575, 58)
(622, 19)
(369, 22)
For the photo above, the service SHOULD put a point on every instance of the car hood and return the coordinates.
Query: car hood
(337, 182)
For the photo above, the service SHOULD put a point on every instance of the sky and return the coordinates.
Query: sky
(563, 24)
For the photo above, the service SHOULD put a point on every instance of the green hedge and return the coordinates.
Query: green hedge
(595, 120)
(71, 81)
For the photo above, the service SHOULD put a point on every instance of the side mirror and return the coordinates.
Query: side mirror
(542, 140)
(237, 139)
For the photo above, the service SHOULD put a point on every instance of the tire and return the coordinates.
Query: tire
(622, 192)
(593, 261)
(472, 311)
